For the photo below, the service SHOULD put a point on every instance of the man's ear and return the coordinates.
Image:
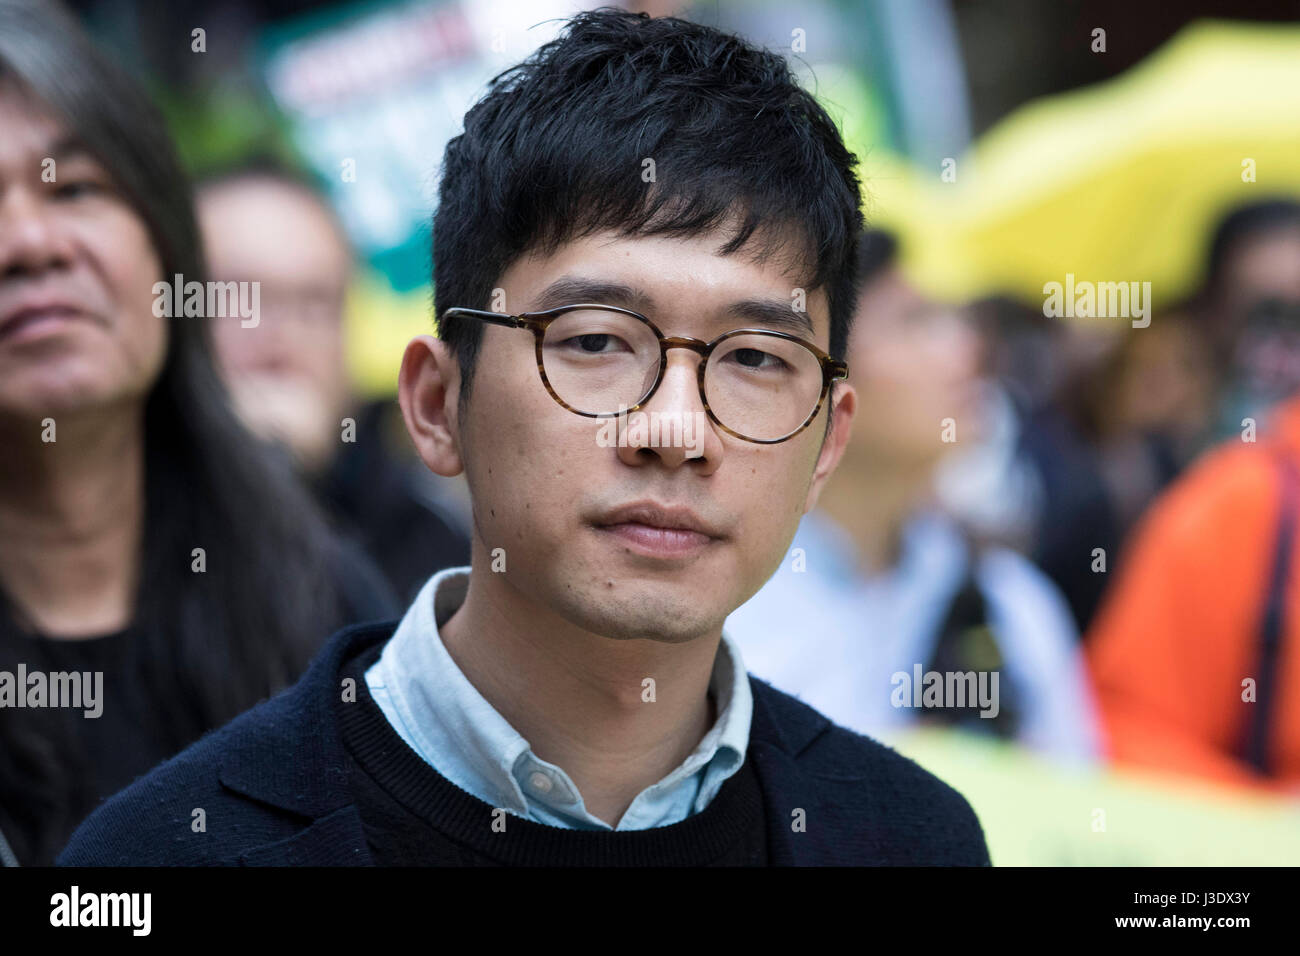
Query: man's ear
(844, 405)
(428, 389)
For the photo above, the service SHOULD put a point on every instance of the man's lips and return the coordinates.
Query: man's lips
(658, 530)
(662, 517)
(28, 321)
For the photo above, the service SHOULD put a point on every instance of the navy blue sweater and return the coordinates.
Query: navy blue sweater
(277, 787)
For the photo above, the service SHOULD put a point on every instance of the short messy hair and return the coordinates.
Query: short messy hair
(555, 149)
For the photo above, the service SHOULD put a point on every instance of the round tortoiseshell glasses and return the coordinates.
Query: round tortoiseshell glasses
(601, 361)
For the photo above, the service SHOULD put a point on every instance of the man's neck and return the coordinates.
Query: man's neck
(71, 522)
(872, 500)
(576, 697)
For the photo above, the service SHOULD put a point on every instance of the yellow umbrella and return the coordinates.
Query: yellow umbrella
(1118, 182)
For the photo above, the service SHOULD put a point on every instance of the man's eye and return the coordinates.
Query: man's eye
(594, 343)
(76, 189)
(756, 358)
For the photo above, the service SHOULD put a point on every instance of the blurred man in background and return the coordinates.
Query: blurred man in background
(1128, 411)
(1148, 409)
(1044, 367)
(880, 580)
(289, 377)
(1254, 258)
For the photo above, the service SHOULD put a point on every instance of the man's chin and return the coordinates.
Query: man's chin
(636, 609)
(44, 396)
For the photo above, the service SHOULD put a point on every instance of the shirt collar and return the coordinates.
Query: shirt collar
(930, 549)
(444, 718)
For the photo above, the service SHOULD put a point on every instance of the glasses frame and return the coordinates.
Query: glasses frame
(538, 322)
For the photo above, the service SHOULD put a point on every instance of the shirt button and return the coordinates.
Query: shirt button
(540, 782)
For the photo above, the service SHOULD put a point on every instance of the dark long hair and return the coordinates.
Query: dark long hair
(211, 644)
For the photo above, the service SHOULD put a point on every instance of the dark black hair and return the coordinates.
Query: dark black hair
(212, 644)
(877, 250)
(554, 151)
(1244, 222)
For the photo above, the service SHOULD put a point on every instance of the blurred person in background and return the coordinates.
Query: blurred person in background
(1106, 416)
(881, 581)
(1149, 408)
(1254, 258)
(1196, 652)
(289, 379)
(1043, 365)
(122, 459)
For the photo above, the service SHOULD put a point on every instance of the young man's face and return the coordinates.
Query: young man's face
(546, 490)
(915, 362)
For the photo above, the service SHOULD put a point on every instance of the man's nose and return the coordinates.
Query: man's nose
(32, 237)
(673, 426)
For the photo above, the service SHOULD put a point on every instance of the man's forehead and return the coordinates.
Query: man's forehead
(264, 226)
(653, 274)
(29, 128)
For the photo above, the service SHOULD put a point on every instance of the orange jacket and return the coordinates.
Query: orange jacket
(1180, 630)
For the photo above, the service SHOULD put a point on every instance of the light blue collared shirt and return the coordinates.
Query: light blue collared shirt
(823, 631)
(444, 719)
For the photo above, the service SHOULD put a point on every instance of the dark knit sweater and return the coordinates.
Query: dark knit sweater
(413, 816)
(277, 788)
(57, 766)
(85, 760)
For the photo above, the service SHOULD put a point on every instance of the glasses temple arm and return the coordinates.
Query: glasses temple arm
(496, 318)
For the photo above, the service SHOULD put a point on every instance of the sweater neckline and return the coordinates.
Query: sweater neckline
(734, 813)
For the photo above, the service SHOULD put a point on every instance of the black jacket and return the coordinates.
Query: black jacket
(272, 787)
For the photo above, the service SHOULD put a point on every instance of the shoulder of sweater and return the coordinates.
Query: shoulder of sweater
(180, 814)
(194, 809)
(863, 778)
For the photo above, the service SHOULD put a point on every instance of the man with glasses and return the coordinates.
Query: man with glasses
(646, 217)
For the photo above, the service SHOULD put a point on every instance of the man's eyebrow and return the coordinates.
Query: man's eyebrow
(572, 290)
(70, 147)
(774, 312)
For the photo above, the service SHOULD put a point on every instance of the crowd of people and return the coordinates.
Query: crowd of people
(1105, 518)
(1103, 515)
